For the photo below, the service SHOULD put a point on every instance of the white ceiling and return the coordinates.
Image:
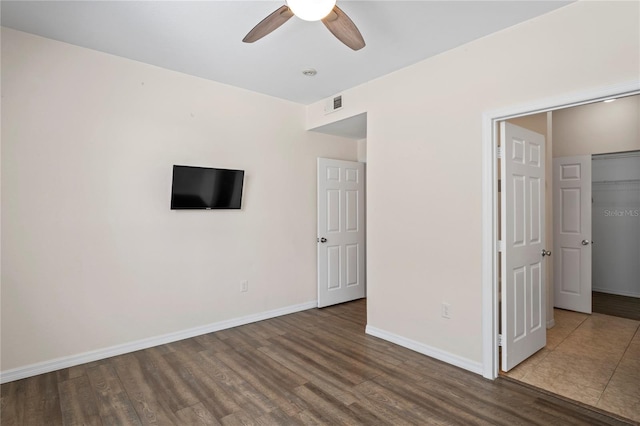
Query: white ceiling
(203, 38)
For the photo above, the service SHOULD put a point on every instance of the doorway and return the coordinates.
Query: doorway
(590, 350)
(491, 317)
(341, 217)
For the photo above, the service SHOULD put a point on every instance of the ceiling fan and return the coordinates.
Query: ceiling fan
(331, 16)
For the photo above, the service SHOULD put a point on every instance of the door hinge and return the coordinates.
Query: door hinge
(499, 339)
(499, 152)
(500, 246)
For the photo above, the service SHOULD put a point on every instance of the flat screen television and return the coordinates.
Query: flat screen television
(206, 188)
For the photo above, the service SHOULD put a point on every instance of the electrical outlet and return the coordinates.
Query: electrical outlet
(446, 310)
(244, 286)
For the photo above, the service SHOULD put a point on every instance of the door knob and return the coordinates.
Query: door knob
(585, 242)
(323, 240)
(545, 253)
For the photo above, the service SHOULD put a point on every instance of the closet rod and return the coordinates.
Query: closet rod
(627, 154)
(617, 181)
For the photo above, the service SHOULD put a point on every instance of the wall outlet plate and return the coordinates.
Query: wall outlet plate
(446, 310)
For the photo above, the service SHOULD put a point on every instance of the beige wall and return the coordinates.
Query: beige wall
(424, 159)
(597, 128)
(92, 256)
(534, 122)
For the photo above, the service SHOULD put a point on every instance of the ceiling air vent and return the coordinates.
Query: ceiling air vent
(333, 104)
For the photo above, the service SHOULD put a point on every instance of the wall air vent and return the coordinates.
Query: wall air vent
(333, 104)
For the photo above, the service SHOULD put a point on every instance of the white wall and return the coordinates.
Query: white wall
(92, 256)
(424, 159)
(597, 128)
(616, 224)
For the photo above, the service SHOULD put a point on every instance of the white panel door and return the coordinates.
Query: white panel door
(572, 233)
(523, 316)
(341, 231)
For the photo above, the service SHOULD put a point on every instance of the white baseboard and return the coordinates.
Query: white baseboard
(616, 292)
(551, 323)
(73, 360)
(464, 363)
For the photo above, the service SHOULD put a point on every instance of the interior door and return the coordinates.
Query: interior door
(572, 233)
(341, 231)
(523, 312)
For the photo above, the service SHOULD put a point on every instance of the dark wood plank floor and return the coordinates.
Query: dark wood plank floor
(313, 367)
(617, 306)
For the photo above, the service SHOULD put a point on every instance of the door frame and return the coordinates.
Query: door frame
(490, 272)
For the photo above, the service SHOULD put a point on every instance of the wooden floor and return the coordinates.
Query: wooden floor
(312, 367)
(618, 306)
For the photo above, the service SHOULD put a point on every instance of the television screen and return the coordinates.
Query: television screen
(206, 188)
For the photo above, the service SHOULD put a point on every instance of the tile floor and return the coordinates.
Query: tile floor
(594, 359)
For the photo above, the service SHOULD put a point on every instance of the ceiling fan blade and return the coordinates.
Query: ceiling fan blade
(344, 29)
(268, 24)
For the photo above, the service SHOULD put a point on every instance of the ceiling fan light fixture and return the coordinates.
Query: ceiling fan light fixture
(311, 10)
